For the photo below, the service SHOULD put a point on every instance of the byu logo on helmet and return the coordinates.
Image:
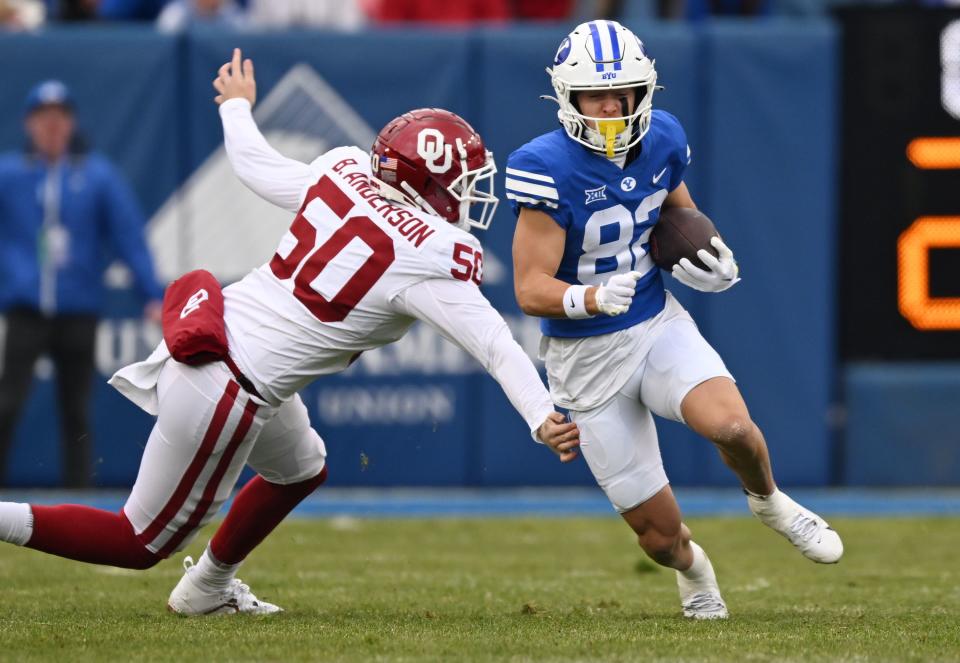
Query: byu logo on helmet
(431, 147)
(643, 49)
(563, 51)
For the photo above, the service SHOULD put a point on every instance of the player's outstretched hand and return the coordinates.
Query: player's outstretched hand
(560, 435)
(721, 275)
(153, 311)
(614, 296)
(235, 80)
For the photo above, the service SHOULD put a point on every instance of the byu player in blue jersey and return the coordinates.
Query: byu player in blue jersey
(617, 345)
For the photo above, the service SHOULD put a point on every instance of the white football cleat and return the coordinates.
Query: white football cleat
(705, 605)
(807, 531)
(701, 599)
(189, 599)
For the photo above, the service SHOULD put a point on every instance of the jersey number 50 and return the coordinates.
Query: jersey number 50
(365, 273)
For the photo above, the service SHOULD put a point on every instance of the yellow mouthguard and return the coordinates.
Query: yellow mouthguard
(610, 129)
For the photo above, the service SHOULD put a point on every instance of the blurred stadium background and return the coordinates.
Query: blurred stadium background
(799, 116)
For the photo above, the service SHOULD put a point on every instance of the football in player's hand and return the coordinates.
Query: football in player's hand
(680, 233)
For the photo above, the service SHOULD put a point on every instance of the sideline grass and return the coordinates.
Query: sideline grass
(507, 589)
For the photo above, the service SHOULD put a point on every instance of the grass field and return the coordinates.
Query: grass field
(507, 590)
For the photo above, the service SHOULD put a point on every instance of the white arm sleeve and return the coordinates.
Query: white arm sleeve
(464, 316)
(267, 173)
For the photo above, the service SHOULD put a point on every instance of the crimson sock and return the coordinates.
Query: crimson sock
(257, 509)
(88, 535)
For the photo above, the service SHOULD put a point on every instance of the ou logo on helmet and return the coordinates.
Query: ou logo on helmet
(431, 147)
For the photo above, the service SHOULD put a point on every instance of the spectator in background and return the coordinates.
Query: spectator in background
(72, 10)
(279, 14)
(441, 11)
(104, 10)
(633, 11)
(548, 10)
(22, 14)
(698, 10)
(60, 207)
(469, 11)
(180, 14)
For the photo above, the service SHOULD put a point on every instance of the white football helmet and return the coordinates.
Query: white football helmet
(603, 55)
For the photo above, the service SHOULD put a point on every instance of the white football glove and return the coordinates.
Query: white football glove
(722, 272)
(614, 296)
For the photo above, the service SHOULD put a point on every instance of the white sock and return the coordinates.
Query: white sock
(212, 574)
(16, 523)
(767, 505)
(701, 570)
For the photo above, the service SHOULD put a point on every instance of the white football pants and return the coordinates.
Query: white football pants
(207, 429)
(618, 438)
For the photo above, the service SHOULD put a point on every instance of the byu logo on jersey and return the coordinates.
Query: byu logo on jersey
(431, 147)
(197, 298)
(594, 195)
(628, 184)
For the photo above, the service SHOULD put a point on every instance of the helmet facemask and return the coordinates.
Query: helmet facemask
(475, 187)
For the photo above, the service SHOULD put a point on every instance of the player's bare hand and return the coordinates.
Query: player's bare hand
(235, 80)
(153, 311)
(562, 436)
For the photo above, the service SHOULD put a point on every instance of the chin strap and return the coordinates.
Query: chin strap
(408, 196)
(417, 200)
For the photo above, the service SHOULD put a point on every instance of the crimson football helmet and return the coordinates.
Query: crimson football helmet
(432, 159)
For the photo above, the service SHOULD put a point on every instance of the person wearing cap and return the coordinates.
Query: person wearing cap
(61, 208)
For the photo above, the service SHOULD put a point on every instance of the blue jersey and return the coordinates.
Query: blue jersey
(99, 215)
(607, 212)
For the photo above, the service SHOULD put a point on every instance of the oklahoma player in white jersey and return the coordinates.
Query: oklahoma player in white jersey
(367, 255)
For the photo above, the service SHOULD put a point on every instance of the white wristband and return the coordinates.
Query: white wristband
(574, 302)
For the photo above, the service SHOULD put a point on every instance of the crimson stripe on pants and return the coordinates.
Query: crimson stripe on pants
(196, 466)
(213, 483)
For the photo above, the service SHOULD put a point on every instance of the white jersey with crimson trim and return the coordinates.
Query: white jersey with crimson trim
(352, 274)
(329, 291)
